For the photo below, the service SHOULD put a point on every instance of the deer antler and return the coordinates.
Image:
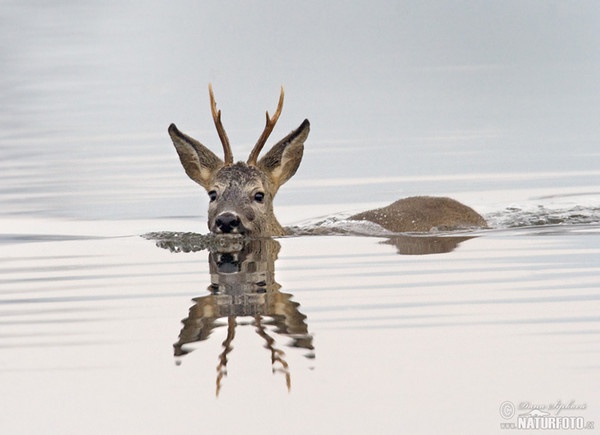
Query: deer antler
(222, 135)
(270, 124)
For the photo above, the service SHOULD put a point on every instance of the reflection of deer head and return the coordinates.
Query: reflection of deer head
(243, 285)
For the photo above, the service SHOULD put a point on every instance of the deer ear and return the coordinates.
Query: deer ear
(283, 159)
(199, 162)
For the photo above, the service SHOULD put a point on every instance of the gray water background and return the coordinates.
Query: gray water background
(495, 104)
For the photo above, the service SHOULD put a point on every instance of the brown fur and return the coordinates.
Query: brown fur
(235, 184)
(422, 214)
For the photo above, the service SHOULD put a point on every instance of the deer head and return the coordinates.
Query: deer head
(241, 194)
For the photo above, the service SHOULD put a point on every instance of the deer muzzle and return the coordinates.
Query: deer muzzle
(229, 223)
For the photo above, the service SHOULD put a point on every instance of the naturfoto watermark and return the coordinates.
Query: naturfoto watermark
(544, 416)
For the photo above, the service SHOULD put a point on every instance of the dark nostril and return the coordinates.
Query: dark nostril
(227, 222)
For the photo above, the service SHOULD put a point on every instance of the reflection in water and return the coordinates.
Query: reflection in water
(423, 245)
(242, 284)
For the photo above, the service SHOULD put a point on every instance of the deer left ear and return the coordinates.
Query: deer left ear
(283, 159)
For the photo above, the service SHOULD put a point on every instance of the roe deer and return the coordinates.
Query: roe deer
(241, 194)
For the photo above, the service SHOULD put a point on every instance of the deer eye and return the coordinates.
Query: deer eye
(259, 197)
(212, 195)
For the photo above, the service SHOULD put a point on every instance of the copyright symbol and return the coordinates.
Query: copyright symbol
(507, 410)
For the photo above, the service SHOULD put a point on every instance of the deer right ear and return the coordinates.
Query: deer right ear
(199, 162)
(282, 161)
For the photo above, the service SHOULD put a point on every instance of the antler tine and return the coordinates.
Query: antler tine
(222, 135)
(270, 124)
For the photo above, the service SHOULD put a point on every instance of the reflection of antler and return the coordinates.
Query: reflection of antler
(227, 347)
(276, 354)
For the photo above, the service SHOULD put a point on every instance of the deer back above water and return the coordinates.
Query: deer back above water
(241, 194)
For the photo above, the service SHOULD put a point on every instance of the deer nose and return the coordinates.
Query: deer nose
(227, 222)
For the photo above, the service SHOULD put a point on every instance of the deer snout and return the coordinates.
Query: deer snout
(228, 222)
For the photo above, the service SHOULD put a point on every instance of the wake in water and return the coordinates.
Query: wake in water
(528, 216)
(561, 209)
(193, 242)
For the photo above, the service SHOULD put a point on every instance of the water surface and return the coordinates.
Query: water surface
(337, 328)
